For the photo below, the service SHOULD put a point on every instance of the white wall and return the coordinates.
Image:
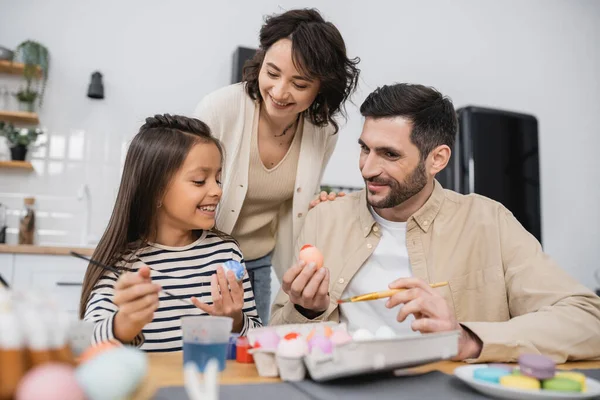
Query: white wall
(537, 56)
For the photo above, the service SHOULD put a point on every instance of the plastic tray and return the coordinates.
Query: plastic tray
(379, 355)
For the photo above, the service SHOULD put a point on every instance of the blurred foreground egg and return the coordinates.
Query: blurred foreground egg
(95, 350)
(113, 374)
(50, 381)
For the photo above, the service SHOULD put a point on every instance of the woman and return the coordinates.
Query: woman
(279, 131)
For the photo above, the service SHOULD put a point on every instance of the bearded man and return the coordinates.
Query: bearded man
(404, 231)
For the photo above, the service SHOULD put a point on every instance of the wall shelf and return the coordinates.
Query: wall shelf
(19, 117)
(25, 165)
(9, 67)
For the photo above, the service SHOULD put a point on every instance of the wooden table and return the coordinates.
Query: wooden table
(166, 369)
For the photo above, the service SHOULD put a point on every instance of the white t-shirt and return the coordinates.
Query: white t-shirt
(388, 262)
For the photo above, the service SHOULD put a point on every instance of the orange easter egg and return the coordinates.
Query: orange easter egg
(93, 351)
(309, 253)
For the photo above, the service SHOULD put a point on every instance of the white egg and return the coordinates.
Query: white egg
(385, 332)
(362, 334)
(113, 374)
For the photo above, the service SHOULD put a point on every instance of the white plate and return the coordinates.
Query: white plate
(465, 374)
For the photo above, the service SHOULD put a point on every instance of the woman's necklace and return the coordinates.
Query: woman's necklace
(288, 127)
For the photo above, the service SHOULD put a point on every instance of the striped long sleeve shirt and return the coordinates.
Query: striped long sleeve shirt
(182, 271)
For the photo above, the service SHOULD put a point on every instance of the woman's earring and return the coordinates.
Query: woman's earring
(159, 204)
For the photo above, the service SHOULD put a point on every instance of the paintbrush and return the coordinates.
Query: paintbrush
(383, 294)
(118, 273)
(4, 283)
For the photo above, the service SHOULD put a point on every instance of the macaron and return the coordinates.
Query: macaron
(490, 374)
(520, 382)
(574, 376)
(537, 366)
(561, 385)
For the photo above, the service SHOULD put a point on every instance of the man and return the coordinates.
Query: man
(405, 231)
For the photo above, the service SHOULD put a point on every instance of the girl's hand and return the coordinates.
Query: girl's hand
(325, 197)
(228, 298)
(137, 299)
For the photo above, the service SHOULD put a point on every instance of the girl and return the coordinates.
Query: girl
(279, 127)
(162, 236)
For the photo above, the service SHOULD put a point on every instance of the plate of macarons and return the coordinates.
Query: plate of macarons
(535, 377)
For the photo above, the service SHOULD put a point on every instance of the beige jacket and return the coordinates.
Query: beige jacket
(501, 284)
(229, 112)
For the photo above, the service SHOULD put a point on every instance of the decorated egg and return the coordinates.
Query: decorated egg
(52, 381)
(321, 343)
(309, 253)
(236, 267)
(291, 335)
(327, 332)
(267, 340)
(340, 337)
(292, 348)
(97, 349)
(122, 367)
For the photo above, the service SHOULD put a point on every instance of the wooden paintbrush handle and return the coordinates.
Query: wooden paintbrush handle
(387, 293)
(390, 293)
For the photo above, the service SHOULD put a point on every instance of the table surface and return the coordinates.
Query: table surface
(166, 369)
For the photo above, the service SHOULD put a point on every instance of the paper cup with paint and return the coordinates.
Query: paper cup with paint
(205, 337)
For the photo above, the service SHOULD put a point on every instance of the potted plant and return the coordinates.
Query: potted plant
(26, 98)
(19, 140)
(34, 55)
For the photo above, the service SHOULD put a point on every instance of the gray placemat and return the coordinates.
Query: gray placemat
(263, 391)
(590, 373)
(432, 385)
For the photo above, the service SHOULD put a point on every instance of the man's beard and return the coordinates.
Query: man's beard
(400, 192)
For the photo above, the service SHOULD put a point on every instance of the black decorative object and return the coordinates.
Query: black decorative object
(496, 155)
(240, 56)
(96, 89)
(18, 153)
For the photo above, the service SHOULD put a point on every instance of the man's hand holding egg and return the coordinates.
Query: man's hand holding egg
(307, 282)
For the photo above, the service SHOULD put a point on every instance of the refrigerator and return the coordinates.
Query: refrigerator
(496, 155)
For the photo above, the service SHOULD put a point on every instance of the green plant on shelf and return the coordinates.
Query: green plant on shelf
(34, 55)
(26, 95)
(20, 136)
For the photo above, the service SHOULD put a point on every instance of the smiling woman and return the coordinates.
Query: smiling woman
(279, 129)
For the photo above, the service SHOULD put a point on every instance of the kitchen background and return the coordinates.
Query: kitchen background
(540, 57)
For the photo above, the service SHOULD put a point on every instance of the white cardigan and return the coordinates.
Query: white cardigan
(229, 112)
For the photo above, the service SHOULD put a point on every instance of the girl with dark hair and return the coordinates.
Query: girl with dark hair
(162, 235)
(279, 130)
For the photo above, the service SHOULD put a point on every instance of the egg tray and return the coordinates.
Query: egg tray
(302, 329)
(380, 355)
